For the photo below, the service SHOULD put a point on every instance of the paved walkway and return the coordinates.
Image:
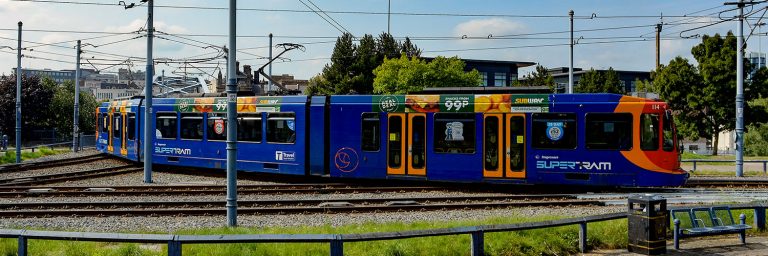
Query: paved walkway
(717, 245)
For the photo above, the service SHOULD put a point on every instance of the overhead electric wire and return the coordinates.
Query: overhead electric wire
(326, 20)
(326, 15)
(361, 12)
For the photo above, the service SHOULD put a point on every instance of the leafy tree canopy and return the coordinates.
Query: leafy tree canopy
(539, 77)
(594, 81)
(406, 75)
(351, 67)
(703, 96)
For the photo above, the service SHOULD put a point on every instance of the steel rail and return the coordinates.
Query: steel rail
(69, 176)
(11, 168)
(276, 202)
(332, 190)
(287, 210)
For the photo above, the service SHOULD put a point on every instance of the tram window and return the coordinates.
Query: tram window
(249, 127)
(192, 126)
(668, 132)
(394, 140)
(131, 126)
(371, 138)
(116, 126)
(491, 143)
(166, 126)
(103, 123)
(649, 132)
(455, 133)
(554, 130)
(281, 128)
(609, 131)
(217, 127)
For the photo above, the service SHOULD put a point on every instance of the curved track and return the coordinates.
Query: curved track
(10, 168)
(69, 176)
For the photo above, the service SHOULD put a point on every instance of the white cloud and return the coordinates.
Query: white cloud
(485, 27)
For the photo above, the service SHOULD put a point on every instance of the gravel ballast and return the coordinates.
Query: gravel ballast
(174, 224)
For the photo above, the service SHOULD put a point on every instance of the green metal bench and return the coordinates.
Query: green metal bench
(696, 222)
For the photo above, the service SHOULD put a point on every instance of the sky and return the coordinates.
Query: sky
(618, 34)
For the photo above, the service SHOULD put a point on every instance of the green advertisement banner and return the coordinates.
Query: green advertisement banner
(389, 103)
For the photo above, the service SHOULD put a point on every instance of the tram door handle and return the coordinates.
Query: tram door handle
(410, 150)
(509, 152)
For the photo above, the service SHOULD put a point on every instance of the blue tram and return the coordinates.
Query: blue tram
(570, 139)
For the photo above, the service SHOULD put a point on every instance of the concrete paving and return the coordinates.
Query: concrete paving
(725, 245)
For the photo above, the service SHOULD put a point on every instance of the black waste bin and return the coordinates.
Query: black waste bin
(647, 221)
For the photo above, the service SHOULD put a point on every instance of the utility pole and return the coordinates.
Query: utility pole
(389, 12)
(570, 66)
(740, 93)
(18, 97)
(269, 81)
(149, 131)
(76, 128)
(231, 116)
(658, 46)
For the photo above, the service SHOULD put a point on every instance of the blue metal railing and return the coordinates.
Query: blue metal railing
(336, 241)
(695, 161)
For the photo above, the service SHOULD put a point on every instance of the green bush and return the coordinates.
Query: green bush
(756, 140)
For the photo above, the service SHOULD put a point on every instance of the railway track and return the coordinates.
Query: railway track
(69, 176)
(277, 189)
(173, 208)
(727, 183)
(11, 168)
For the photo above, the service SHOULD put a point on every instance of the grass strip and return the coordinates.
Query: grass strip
(549, 241)
(10, 156)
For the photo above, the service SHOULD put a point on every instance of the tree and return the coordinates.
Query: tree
(539, 77)
(387, 46)
(410, 49)
(406, 75)
(337, 78)
(594, 81)
(703, 96)
(678, 84)
(62, 108)
(351, 67)
(366, 59)
(35, 98)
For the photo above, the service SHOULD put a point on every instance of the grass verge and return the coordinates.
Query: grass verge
(549, 241)
(714, 173)
(10, 156)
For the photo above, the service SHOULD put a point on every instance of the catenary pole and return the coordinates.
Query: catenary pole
(76, 121)
(231, 115)
(740, 94)
(269, 81)
(149, 132)
(18, 97)
(570, 65)
(658, 46)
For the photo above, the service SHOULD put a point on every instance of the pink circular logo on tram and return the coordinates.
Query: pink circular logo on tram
(346, 160)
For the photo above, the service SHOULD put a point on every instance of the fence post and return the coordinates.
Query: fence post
(22, 250)
(337, 246)
(743, 234)
(694, 165)
(765, 164)
(478, 243)
(583, 237)
(760, 217)
(174, 247)
(676, 234)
